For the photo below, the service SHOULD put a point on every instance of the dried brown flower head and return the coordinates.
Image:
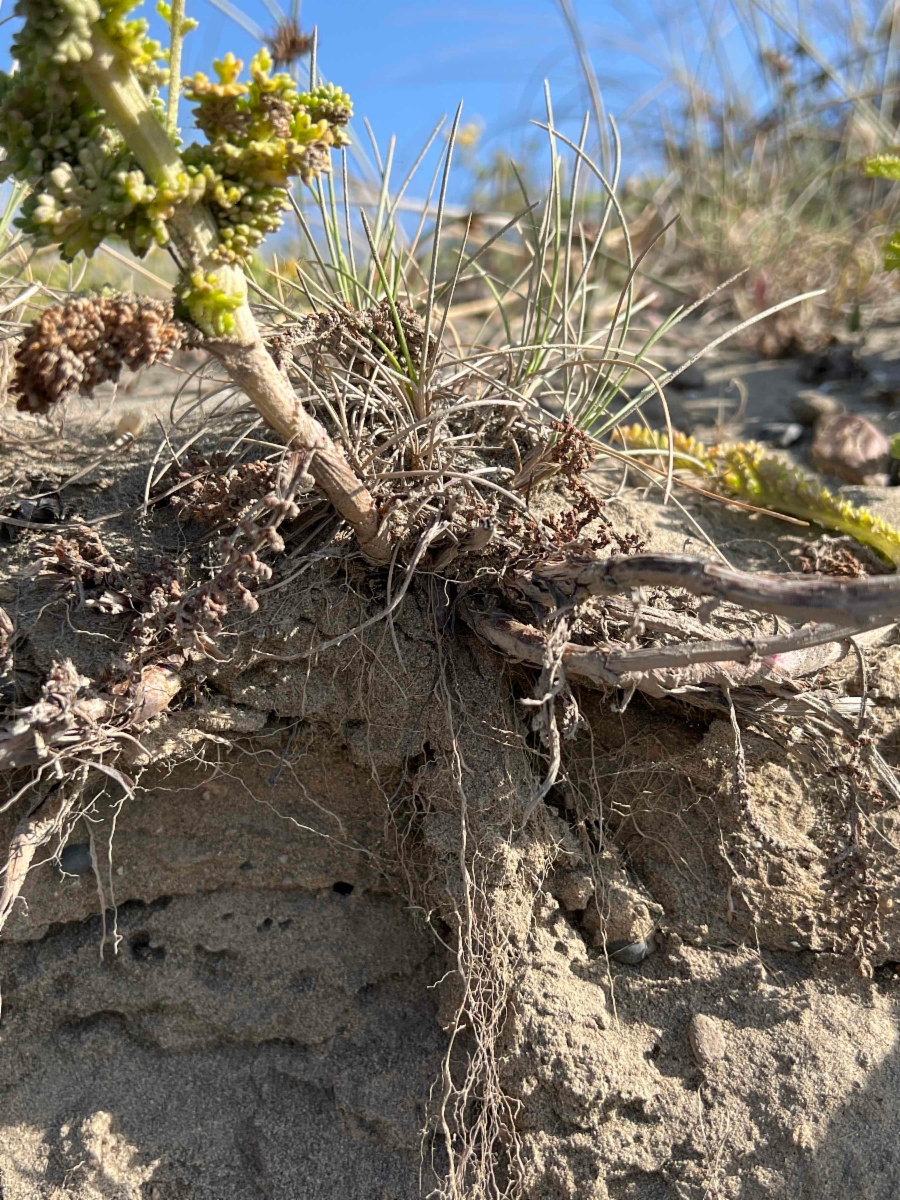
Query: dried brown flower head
(287, 43)
(217, 492)
(76, 346)
(81, 556)
(276, 110)
(573, 450)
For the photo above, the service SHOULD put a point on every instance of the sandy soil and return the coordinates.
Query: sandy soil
(262, 1010)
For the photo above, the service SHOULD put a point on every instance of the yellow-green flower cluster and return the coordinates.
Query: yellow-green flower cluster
(202, 298)
(746, 471)
(261, 133)
(85, 183)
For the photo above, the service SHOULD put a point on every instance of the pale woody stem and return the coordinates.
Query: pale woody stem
(243, 354)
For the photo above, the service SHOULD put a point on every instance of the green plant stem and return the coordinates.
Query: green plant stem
(115, 86)
(176, 44)
(243, 353)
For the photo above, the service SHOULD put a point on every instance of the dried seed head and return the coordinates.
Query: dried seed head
(277, 112)
(355, 337)
(288, 43)
(216, 492)
(74, 347)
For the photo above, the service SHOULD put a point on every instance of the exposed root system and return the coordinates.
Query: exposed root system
(494, 815)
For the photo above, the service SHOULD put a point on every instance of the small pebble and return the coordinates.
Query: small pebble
(707, 1041)
(632, 953)
(781, 433)
(850, 447)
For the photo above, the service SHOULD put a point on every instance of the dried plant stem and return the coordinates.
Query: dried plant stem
(861, 603)
(28, 836)
(651, 670)
(242, 354)
(251, 367)
(94, 721)
(655, 671)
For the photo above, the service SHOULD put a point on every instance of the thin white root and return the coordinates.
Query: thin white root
(62, 726)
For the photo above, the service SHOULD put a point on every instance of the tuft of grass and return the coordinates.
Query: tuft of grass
(761, 150)
(752, 132)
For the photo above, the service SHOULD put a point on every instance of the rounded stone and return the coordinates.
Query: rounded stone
(707, 1040)
(632, 953)
(850, 447)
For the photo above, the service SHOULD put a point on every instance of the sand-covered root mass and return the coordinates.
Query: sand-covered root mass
(338, 937)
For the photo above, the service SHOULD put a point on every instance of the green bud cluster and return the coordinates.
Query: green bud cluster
(87, 186)
(62, 32)
(260, 133)
(202, 300)
(144, 55)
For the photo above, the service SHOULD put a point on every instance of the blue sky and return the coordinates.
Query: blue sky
(408, 63)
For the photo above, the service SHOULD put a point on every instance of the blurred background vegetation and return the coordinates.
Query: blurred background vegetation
(742, 126)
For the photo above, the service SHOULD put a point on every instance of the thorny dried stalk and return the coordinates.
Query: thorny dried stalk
(863, 603)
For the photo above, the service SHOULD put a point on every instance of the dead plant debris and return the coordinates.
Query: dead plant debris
(76, 346)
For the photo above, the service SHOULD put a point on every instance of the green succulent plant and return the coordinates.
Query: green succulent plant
(83, 123)
(84, 126)
(745, 471)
